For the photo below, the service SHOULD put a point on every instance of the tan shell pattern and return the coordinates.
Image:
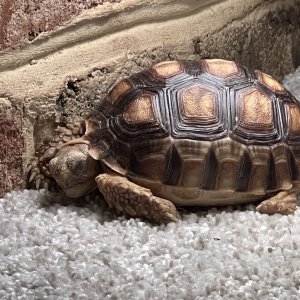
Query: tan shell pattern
(207, 124)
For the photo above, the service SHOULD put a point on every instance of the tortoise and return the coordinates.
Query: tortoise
(207, 132)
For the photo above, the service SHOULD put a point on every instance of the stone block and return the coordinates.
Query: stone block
(11, 147)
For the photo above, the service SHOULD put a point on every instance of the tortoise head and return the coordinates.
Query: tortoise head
(74, 169)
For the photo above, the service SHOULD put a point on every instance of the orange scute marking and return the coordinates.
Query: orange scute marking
(167, 69)
(198, 102)
(256, 110)
(120, 89)
(140, 111)
(270, 82)
(294, 119)
(220, 67)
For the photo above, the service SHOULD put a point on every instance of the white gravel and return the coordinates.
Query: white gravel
(292, 83)
(51, 251)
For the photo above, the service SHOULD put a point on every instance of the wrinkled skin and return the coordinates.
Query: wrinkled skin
(75, 170)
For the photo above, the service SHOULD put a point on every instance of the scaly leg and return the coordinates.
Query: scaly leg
(284, 203)
(133, 200)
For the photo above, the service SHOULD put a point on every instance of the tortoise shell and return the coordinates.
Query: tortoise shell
(203, 132)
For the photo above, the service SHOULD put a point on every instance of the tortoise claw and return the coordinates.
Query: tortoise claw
(38, 175)
(31, 165)
(38, 182)
(32, 176)
(45, 185)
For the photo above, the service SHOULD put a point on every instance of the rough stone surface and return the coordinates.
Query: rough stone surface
(60, 75)
(81, 95)
(11, 148)
(20, 19)
(273, 39)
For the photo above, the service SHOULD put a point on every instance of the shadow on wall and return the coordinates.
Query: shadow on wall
(296, 54)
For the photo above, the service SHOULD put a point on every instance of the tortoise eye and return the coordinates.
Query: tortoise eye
(80, 167)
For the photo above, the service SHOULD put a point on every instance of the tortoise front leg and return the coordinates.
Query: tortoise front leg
(284, 203)
(133, 200)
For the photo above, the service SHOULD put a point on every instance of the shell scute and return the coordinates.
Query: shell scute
(198, 102)
(122, 87)
(270, 82)
(292, 112)
(255, 118)
(260, 165)
(140, 110)
(221, 68)
(167, 69)
(197, 111)
(281, 155)
(256, 110)
(194, 157)
(228, 154)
